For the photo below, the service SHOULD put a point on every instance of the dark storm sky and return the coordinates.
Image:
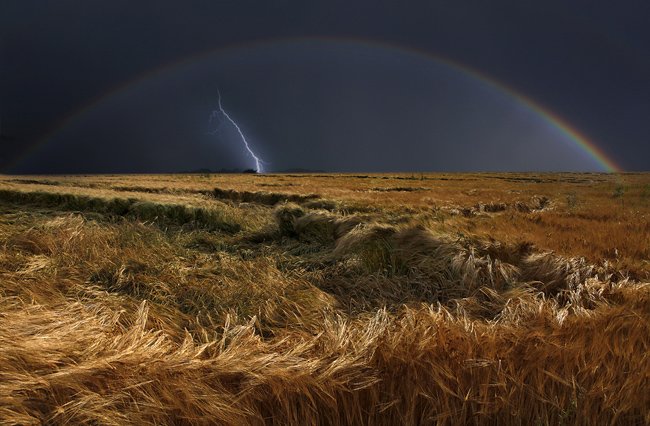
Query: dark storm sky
(330, 105)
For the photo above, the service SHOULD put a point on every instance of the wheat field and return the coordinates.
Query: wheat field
(325, 299)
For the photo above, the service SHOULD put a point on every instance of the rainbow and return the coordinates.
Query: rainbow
(552, 119)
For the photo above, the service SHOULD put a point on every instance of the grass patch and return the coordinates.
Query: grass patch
(161, 214)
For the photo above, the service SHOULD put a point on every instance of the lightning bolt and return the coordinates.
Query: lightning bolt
(216, 114)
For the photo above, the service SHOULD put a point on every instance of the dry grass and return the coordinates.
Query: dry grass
(466, 299)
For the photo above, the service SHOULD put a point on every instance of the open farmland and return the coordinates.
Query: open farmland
(325, 299)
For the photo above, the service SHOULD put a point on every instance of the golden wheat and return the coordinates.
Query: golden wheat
(335, 300)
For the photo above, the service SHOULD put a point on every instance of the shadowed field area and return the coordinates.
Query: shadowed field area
(325, 299)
